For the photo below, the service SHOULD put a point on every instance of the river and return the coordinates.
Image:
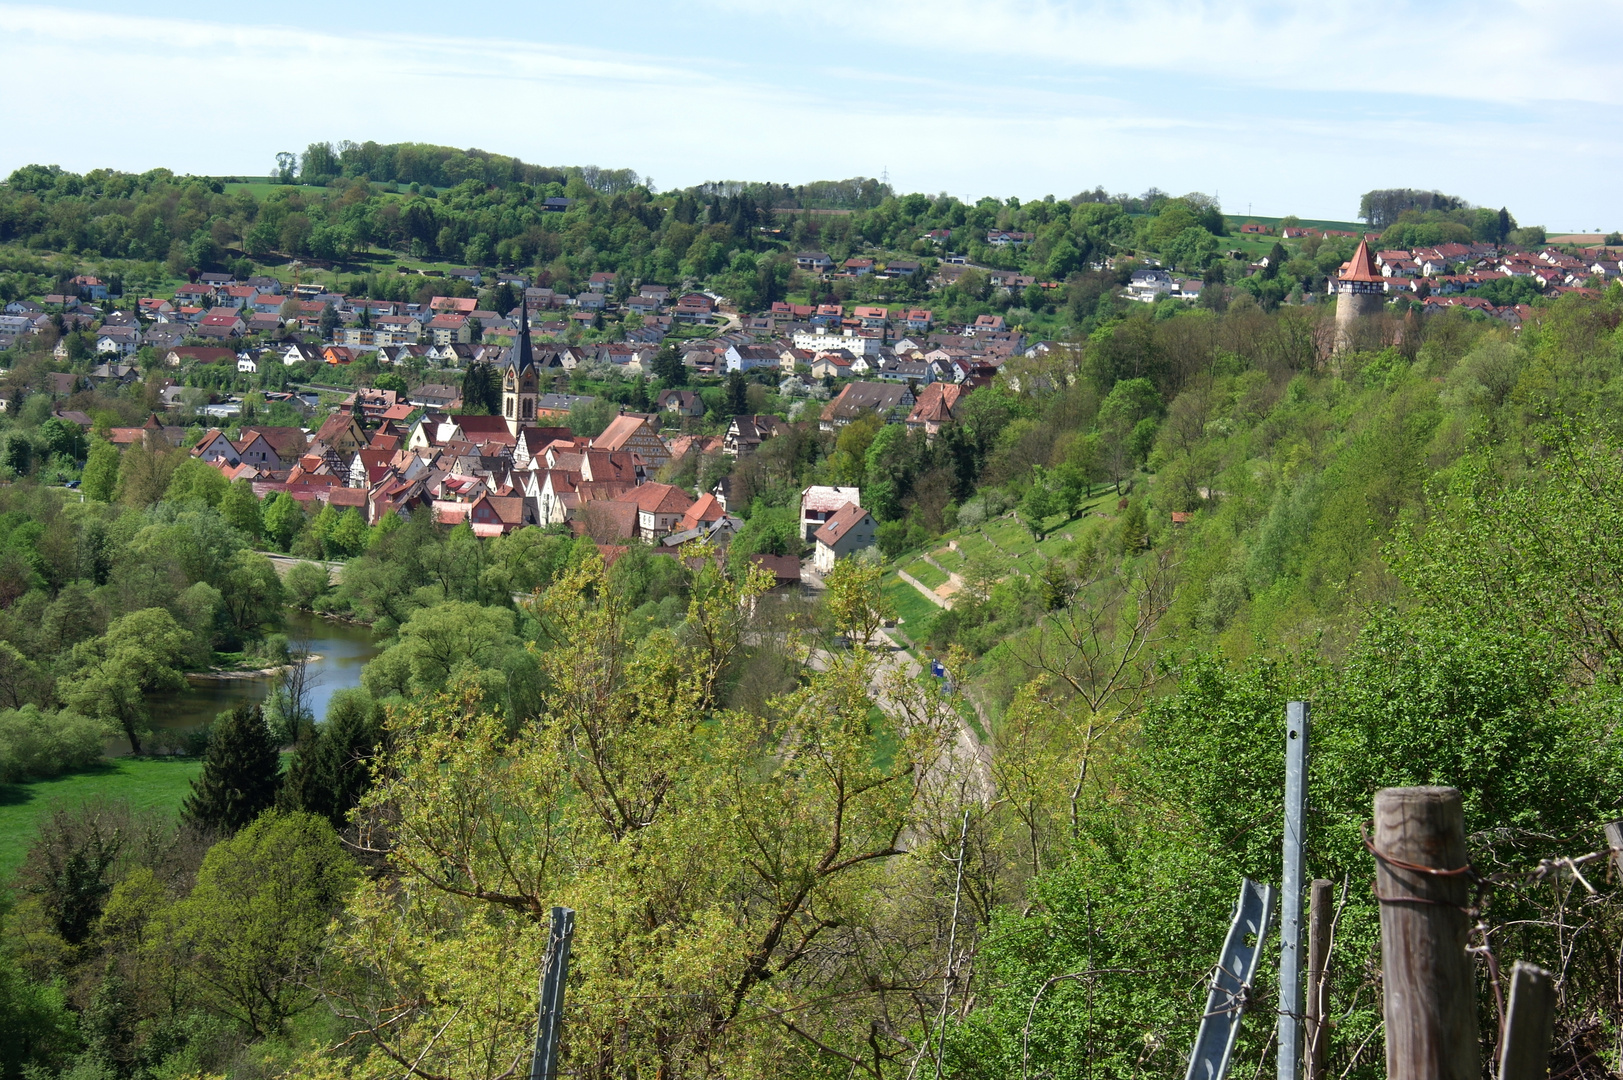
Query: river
(343, 648)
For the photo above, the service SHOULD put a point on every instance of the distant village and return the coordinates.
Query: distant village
(383, 451)
(1436, 278)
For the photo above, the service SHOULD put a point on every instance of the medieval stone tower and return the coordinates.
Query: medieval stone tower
(1360, 290)
(520, 380)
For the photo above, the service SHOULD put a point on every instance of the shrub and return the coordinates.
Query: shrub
(38, 743)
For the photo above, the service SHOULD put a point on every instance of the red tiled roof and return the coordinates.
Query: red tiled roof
(1362, 266)
(658, 498)
(839, 524)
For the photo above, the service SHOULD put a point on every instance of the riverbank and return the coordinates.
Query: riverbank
(217, 674)
(149, 783)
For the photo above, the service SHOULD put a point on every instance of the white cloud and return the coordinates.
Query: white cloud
(1503, 51)
(1023, 97)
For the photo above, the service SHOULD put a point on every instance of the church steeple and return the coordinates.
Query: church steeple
(519, 381)
(525, 357)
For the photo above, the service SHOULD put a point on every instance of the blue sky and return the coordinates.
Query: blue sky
(1279, 108)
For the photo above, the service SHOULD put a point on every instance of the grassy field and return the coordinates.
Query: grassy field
(260, 189)
(916, 613)
(148, 783)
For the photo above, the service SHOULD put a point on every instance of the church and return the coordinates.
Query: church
(521, 381)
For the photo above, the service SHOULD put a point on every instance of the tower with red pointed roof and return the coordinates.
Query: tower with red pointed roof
(1360, 290)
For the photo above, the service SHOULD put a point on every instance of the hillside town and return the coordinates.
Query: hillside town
(381, 450)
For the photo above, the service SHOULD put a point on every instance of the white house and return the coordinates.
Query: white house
(849, 531)
(1149, 285)
(819, 503)
(816, 342)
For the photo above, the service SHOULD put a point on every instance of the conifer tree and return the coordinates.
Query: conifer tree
(329, 773)
(241, 773)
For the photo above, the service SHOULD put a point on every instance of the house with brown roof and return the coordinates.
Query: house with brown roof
(680, 402)
(746, 433)
(198, 354)
(606, 521)
(341, 433)
(785, 570)
(659, 508)
(848, 531)
(498, 515)
(694, 308)
(859, 399)
(216, 449)
(818, 503)
(935, 407)
(636, 433)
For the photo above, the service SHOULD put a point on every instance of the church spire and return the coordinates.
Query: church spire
(523, 356)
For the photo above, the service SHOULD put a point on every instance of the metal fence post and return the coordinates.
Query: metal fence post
(1290, 890)
(549, 1016)
(1230, 991)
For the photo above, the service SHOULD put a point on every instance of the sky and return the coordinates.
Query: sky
(1274, 108)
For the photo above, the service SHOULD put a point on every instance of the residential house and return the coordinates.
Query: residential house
(1149, 285)
(341, 433)
(816, 261)
(436, 396)
(447, 329)
(935, 407)
(222, 323)
(120, 340)
(746, 433)
(680, 402)
(749, 357)
(659, 508)
(271, 448)
(857, 267)
(860, 399)
(216, 449)
(198, 354)
(695, 308)
(634, 432)
(818, 503)
(850, 530)
(92, 287)
(558, 406)
(834, 364)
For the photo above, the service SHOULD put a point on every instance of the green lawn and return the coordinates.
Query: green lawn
(926, 573)
(917, 613)
(148, 783)
(262, 189)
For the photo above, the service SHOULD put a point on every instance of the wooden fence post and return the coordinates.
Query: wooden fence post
(1524, 1052)
(1430, 994)
(1319, 913)
(1614, 840)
